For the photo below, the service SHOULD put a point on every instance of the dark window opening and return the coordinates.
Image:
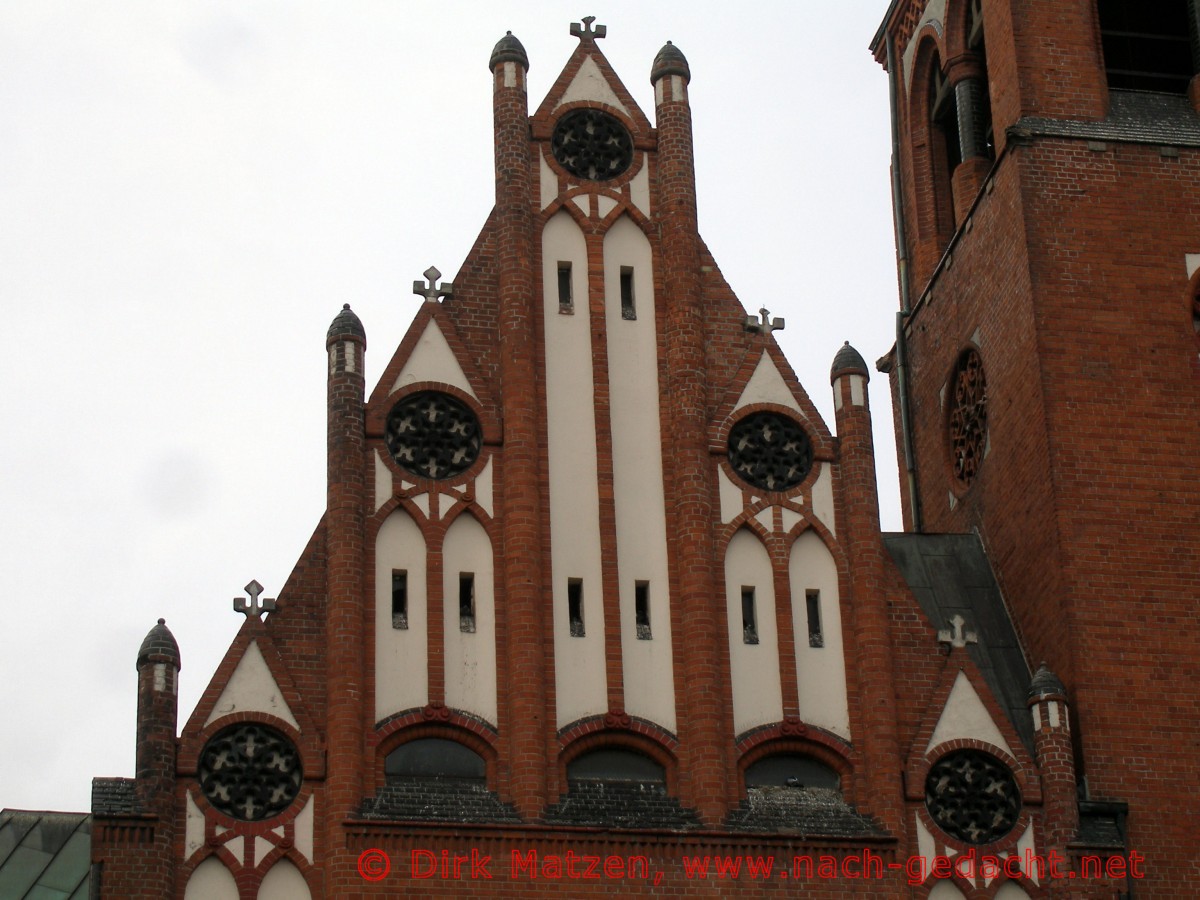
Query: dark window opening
(641, 609)
(575, 606)
(943, 113)
(466, 602)
(434, 758)
(1196, 314)
(399, 598)
(1148, 46)
(628, 310)
(791, 770)
(615, 765)
(749, 617)
(981, 100)
(812, 600)
(566, 303)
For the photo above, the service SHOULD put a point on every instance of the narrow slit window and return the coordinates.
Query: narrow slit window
(575, 606)
(466, 602)
(566, 303)
(749, 617)
(399, 598)
(641, 609)
(813, 601)
(628, 310)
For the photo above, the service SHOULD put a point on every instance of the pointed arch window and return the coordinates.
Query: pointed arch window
(1149, 46)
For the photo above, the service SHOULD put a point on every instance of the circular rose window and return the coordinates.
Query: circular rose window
(591, 144)
(770, 451)
(972, 796)
(968, 416)
(250, 772)
(433, 435)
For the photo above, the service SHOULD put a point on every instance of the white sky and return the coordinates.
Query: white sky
(189, 191)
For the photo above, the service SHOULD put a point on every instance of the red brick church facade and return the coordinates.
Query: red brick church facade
(600, 605)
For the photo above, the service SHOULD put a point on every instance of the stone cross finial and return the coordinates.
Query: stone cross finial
(586, 30)
(766, 326)
(955, 636)
(433, 292)
(253, 607)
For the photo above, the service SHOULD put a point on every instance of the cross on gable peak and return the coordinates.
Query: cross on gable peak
(956, 635)
(432, 292)
(253, 607)
(766, 325)
(585, 31)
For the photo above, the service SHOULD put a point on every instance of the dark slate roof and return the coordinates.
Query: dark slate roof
(45, 855)
(437, 800)
(159, 646)
(508, 49)
(113, 797)
(1139, 117)
(812, 812)
(670, 61)
(848, 360)
(621, 804)
(950, 575)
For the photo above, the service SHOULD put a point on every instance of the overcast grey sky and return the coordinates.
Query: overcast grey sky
(189, 191)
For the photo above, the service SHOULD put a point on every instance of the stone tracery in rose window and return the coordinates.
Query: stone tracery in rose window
(968, 416)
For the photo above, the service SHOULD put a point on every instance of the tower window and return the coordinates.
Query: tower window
(399, 598)
(628, 310)
(749, 617)
(1147, 46)
(812, 600)
(566, 303)
(641, 609)
(466, 602)
(575, 606)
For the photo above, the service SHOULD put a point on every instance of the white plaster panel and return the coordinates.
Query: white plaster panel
(945, 890)
(639, 499)
(605, 205)
(383, 482)
(252, 687)
(581, 687)
(510, 74)
(659, 92)
(791, 518)
(639, 187)
(351, 356)
(837, 397)
(549, 182)
(483, 488)
(766, 518)
(193, 836)
(935, 14)
(237, 846)
(965, 716)
(211, 881)
(1192, 262)
(470, 656)
(926, 845)
(283, 882)
(766, 385)
(820, 671)
(1037, 717)
(590, 84)
(757, 692)
(304, 831)
(433, 360)
(401, 654)
(422, 503)
(261, 848)
(1027, 850)
(1052, 707)
(584, 202)
(731, 497)
(857, 390)
(822, 498)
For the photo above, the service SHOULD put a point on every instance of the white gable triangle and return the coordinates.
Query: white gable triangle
(433, 360)
(252, 688)
(965, 716)
(590, 84)
(766, 385)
